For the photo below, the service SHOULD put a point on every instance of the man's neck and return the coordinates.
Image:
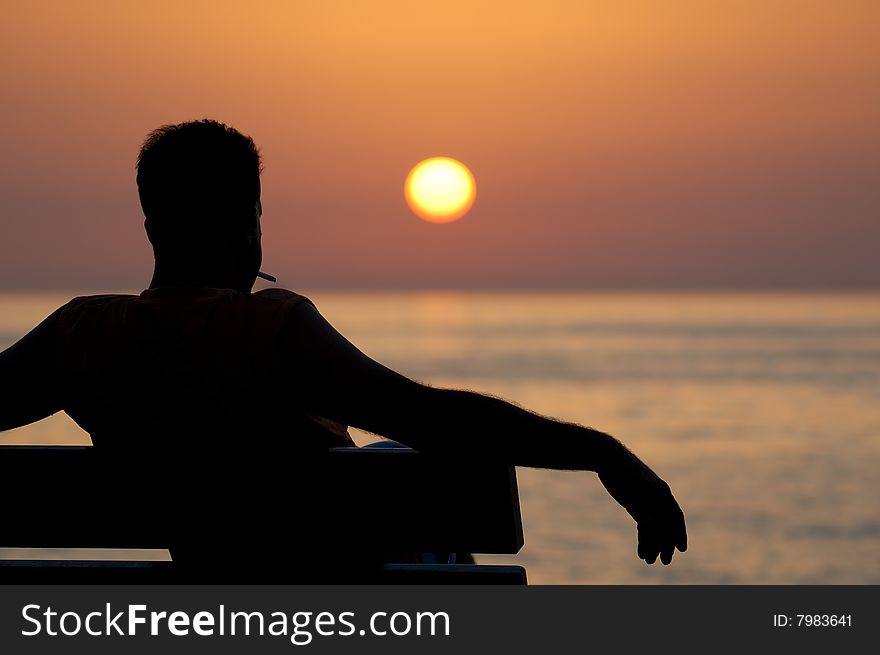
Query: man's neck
(165, 275)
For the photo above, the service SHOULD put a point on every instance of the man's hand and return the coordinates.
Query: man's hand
(649, 501)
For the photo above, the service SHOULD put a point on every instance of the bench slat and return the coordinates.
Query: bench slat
(343, 504)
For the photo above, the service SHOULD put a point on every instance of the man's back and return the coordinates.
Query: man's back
(185, 367)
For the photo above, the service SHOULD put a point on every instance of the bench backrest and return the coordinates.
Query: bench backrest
(345, 505)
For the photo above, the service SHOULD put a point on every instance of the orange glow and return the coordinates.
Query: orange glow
(440, 189)
(662, 138)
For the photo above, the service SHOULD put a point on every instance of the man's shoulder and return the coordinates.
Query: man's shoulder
(98, 300)
(76, 311)
(282, 296)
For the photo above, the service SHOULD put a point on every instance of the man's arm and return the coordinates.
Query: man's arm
(341, 383)
(28, 390)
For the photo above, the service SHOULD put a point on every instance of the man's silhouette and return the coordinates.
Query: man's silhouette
(198, 361)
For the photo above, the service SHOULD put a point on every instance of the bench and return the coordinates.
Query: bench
(348, 515)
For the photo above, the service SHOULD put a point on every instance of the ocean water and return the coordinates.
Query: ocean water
(762, 411)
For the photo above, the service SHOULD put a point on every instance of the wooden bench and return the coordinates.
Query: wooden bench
(349, 515)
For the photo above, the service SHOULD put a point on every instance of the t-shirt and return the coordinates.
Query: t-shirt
(185, 367)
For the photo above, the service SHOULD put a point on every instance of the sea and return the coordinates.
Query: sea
(761, 410)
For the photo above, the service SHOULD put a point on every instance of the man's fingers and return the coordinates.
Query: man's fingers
(675, 537)
(677, 526)
(660, 541)
(649, 547)
(682, 542)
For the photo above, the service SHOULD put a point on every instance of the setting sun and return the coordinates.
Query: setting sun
(440, 189)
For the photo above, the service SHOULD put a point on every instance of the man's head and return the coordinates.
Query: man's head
(199, 186)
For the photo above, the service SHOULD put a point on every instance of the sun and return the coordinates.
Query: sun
(440, 189)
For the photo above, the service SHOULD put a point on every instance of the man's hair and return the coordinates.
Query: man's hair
(196, 179)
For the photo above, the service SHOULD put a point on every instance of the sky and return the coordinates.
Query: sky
(719, 145)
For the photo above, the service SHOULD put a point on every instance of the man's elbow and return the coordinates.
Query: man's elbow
(407, 412)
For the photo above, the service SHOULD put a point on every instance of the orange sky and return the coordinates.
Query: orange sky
(614, 144)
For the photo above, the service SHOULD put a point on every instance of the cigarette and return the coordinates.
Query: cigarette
(266, 276)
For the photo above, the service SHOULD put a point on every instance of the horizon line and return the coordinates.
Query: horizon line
(732, 290)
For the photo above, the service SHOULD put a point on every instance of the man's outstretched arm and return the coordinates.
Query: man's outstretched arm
(341, 383)
(27, 377)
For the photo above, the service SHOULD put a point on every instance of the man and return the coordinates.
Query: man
(198, 361)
